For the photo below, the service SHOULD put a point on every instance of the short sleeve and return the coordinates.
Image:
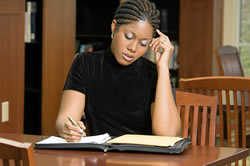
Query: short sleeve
(77, 76)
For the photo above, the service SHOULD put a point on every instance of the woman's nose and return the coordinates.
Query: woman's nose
(132, 46)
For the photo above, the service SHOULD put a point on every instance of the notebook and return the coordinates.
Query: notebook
(98, 139)
(124, 143)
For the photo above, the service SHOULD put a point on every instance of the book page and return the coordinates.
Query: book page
(151, 140)
(98, 139)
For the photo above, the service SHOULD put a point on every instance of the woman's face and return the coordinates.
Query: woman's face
(131, 41)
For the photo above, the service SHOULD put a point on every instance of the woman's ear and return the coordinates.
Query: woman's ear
(113, 25)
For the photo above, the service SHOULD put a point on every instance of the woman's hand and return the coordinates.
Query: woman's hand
(72, 133)
(163, 50)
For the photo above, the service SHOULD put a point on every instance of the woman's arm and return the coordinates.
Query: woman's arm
(72, 104)
(165, 116)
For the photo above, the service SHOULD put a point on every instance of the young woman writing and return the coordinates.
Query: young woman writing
(118, 90)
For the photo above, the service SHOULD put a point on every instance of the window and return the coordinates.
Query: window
(244, 36)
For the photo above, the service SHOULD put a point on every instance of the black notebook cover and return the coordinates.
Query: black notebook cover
(176, 149)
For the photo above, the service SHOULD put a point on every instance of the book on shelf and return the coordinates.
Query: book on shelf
(86, 48)
(30, 22)
(173, 62)
(164, 20)
(124, 143)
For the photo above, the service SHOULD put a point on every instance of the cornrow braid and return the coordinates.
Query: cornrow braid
(138, 10)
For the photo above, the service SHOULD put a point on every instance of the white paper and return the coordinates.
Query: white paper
(98, 139)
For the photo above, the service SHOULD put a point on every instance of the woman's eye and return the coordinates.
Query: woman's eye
(144, 43)
(128, 36)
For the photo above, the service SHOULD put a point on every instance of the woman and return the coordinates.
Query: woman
(119, 90)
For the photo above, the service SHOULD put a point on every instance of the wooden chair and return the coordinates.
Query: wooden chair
(20, 153)
(198, 114)
(228, 89)
(228, 61)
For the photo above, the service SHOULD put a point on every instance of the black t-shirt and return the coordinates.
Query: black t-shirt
(118, 98)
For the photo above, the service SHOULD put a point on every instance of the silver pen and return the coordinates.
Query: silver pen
(75, 124)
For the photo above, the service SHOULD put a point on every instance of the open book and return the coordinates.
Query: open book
(127, 142)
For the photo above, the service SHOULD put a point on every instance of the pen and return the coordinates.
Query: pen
(75, 124)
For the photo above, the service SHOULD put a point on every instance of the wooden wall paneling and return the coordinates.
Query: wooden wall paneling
(57, 57)
(11, 6)
(217, 32)
(195, 38)
(12, 63)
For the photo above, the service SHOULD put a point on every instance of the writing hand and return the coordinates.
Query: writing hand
(72, 133)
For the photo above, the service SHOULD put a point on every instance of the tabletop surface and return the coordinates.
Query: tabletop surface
(193, 155)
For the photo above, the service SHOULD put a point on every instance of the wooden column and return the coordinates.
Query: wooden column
(59, 19)
(196, 41)
(12, 63)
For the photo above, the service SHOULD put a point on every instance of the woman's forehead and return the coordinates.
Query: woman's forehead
(140, 28)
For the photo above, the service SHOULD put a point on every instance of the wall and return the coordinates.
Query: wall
(217, 33)
(12, 63)
(231, 22)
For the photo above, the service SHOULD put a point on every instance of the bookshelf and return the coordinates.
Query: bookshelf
(47, 62)
(170, 26)
(93, 25)
(33, 67)
(169, 18)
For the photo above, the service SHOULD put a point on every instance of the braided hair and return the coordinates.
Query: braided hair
(137, 10)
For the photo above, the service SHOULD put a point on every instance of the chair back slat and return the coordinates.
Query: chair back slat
(243, 119)
(243, 125)
(199, 117)
(228, 119)
(6, 162)
(186, 121)
(17, 163)
(220, 107)
(182, 116)
(212, 93)
(195, 126)
(204, 126)
(236, 118)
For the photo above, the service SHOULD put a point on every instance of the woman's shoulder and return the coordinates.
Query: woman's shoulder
(88, 58)
(90, 55)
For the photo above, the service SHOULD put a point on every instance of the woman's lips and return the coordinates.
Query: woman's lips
(127, 57)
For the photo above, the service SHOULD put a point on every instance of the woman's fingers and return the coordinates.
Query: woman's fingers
(82, 126)
(160, 44)
(72, 133)
(155, 44)
(162, 47)
(70, 138)
(159, 32)
(80, 123)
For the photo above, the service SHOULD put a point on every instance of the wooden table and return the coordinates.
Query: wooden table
(193, 155)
